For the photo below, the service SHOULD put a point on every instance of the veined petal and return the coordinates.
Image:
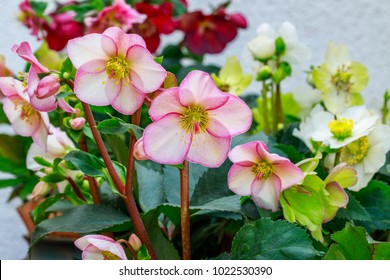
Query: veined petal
(244, 153)
(208, 150)
(288, 173)
(165, 141)
(231, 72)
(265, 193)
(127, 100)
(166, 102)
(110, 246)
(109, 46)
(26, 127)
(123, 40)
(240, 179)
(145, 74)
(234, 115)
(198, 88)
(94, 66)
(11, 109)
(83, 49)
(65, 106)
(91, 87)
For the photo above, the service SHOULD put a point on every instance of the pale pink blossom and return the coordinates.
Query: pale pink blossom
(119, 14)
(114, 68)
(100, 247)
(260, 174)
(25, 120)
(42, 92)
(194, 122)
(77, 123)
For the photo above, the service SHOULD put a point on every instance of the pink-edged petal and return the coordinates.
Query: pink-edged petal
(91, 87)
(25, 52)
(208, 150)
(145, 74)
(26, 127)
(265, 193)
(127, 100)
(165, 141)
(244, 153)
(10, 87)
(11, 110)
(83, 49)
(92, 255)
(94, 66)
(84, 241)
(166, 102)
(139, 151)
(65, 106)
(234, 116)
(198, 88)
(109, 46)
(240, 179)
(110, 246)
(262, 150)
(288, 173)
(44, 105)
(40, 136)
(32, 81)
(123, 40)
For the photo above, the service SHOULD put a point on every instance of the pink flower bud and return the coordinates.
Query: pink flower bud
(135, 242)
(139, 152)
(77, 123)
(48, 86)
(40, 190)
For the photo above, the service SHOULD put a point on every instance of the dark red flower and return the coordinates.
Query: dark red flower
(159, 21)
(210, 33)
(61, 30)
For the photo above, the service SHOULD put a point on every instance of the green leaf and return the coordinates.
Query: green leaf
(40, 213)
(375, 199)
(53, 178)
(85, 162)
(280, 46)
(282, 72)
(162, 247)
(159, 59)
(382, 251)
(269, 240)
(354, 211)
(118, 147)
(118, 126)
(43, 162)
(38, 6)
(64, 94)
(12, 182)
(83, 219)
(350, 244)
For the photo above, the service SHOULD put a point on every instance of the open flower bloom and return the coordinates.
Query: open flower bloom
(25, 120)
(100, 247)
(230, 78)
(307, 98)
(339, 79)
(194, 122)
(336, 131)
(42, 92)
(260, 174)
(114, 68)
(119, 14)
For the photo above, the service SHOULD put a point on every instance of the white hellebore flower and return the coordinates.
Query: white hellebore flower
(306, 97)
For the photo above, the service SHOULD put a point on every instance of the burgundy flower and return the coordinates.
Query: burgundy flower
(61, 30)
(210, 33)
(159, 21)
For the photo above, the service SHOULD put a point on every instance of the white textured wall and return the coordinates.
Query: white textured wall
(363, 25)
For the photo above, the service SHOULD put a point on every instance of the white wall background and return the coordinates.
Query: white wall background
(363, 25)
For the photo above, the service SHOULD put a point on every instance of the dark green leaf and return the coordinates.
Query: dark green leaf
(53, 178)
(269, 240)
(159, 59)
(12, 182)
(86, 163)
(38, 6)
(42, 161)
(118, 147)
(64, 94)
(382, 251)
(118, 126)
(354, 210)
(39, 213)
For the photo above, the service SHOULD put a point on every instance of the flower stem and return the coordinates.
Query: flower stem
(185, 210)
(279, 106)
(385, 109)
(93, 186)
(274, 112)
(75, 188)
(131, 249)
(129, 200)
(265, 108)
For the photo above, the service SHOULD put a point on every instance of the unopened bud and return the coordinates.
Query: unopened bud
(48, 86)
(265, 73)
(139, 152)
(135, 242)
(77, 123)
(40, 190)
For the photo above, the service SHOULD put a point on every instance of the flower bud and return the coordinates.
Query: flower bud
(135, 242)
(262, 47)
(48, 86)
(40, 190)
(264, 73)
(139, 152)
(77, 123)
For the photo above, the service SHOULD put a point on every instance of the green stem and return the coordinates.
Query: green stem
(274, 111)
(385, 109)
(185, 211)
(265, 108)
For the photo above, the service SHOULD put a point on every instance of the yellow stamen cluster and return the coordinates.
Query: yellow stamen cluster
(354, 152)
(107, 255)
(341, 128)
(195, 120)
(28, 112)
(342, 79)
(262, 169)
(117, 68)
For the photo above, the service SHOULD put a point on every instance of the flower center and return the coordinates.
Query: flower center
(195, 119)
(354, 152)
(342, 79)
(28, 112)
(117, 68)
(262, 169)
(107, 255)
(341, 128)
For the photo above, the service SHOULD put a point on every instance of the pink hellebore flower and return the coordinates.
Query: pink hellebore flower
(194, 122)
(100, 247)
(42, 92)
(77, 123)
(119, 14)
(260, 174)
(114, 68)
(25, 120)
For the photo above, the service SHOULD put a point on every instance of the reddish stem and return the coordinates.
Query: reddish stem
(185, 211)
(76, 188)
